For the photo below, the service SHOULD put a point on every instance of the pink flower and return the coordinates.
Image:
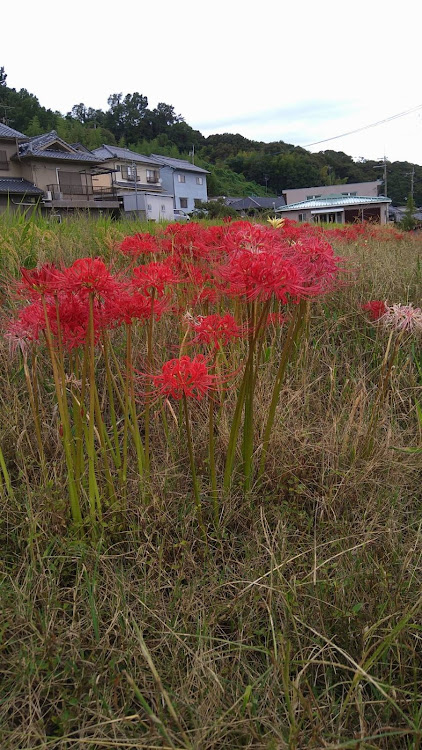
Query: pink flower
(403, 318)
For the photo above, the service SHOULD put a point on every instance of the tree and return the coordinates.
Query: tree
(409, 222)
(3, 76)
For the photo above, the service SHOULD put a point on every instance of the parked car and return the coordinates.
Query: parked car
(180, 215)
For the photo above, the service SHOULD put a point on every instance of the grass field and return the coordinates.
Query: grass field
(297, 624)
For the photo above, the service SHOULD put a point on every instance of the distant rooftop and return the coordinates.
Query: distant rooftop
(257, 202)
(6, 132)
(117, 152)
(168, 161)
(51, 146)
(334, 201)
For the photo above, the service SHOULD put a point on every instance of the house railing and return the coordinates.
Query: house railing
(78, 192)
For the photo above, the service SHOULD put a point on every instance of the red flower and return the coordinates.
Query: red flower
(184, 377)
(215, 329)
(154, 276)
(139, 244)
(130, 306)
(40, 281)
(90, 275)
(262, 275)
(376, 309)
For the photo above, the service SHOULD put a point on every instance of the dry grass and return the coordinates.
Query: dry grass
(300, 629)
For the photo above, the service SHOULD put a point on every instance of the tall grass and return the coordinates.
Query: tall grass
(300, 625)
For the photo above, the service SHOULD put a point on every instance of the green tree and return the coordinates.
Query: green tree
(409, 222)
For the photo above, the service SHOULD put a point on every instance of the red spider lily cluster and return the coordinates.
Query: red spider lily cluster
(201, 267)
(226, 283)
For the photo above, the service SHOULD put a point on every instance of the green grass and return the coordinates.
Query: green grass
(301, 628)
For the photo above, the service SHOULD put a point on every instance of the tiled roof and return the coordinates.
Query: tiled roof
(168, 161)
(257, 202)
(334, 201)
(18, 186)
(117, 152)
(6, 132)
(38, 147)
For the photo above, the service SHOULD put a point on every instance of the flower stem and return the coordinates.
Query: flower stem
(292, 338)
(193, 471)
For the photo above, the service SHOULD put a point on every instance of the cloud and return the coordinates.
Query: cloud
(300, 112)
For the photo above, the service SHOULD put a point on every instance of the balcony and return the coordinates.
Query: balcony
(80, 196)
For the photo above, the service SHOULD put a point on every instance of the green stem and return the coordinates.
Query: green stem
(193, 471)
(147, 398)
(110, 391)
(211, 456)
(65, 420)
(93, 491)
(292, 338)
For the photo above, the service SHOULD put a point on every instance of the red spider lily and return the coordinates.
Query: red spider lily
(376, 309)
(215, 329)
(72, 312)
(154, 277)
(26, 327)
(185, 377)
(139, 244)
(132, 305)
(262, 275)
(318, 264)
(41, 281)
(90, 275)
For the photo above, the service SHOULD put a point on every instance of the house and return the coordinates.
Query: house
(296, 195)
(338, 208)
(185, 181)
(48, 172)
(136, 181)
(65, 174)
(16, 193)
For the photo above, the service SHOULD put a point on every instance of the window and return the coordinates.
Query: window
(199, 180)
(149, 206)
(163, 208)
(4, 163)
(181, 178)
(152, 175)
(312, 197)
(301, 217)
(129, 172)
(348, 195)
(183, 203)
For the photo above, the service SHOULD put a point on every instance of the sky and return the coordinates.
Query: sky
(270, 70)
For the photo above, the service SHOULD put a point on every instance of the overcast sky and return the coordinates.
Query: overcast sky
(270, 70)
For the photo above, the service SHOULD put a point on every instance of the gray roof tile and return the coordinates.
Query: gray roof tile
(168, 161)
(6, 132)
(38, 147)
(18, 186)
(117, 152)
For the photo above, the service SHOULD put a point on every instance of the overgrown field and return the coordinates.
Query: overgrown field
(155, 594)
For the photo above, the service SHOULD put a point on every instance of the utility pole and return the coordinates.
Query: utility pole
(192, 153)
(266, 178)
(412, 180)
(384, 168)
(4, 107)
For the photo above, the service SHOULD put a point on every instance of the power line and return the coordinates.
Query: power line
(365, 127)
